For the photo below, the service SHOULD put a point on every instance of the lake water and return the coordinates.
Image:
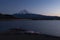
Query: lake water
(51, 27)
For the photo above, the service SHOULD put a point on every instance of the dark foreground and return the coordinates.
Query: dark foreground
(20, 34)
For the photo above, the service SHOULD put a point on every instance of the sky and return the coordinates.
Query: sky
(43, 7)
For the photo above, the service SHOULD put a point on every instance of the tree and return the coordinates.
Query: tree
(0, 14)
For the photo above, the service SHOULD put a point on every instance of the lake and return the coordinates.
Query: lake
(50, 27)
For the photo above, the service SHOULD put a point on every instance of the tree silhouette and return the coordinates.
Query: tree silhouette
(1, 14)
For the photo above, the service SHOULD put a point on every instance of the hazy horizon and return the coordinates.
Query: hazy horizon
(43, 7)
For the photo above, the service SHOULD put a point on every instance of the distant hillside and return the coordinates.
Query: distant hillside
(26, 15)
(6, 16)
(36, 17)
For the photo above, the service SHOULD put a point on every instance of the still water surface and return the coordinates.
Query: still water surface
(51, 27)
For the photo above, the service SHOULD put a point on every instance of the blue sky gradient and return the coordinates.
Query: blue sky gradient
(44, 7)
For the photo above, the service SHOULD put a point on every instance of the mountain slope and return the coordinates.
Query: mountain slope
(36, 16)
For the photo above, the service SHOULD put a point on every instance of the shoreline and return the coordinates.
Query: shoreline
(21, 34)
(19, 19)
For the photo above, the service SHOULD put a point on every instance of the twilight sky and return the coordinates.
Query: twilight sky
(45, 7)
